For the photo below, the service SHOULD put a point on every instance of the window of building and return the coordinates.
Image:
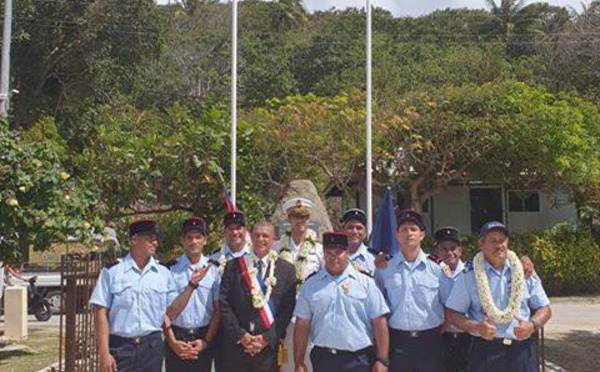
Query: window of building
(523, 201)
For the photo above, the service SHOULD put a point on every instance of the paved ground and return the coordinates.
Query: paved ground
(573, 336)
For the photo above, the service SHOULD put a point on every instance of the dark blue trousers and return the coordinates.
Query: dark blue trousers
(142, 355)
(494, 356)
(457, 346)
(416, 351)
(174, 363)
(324, 360)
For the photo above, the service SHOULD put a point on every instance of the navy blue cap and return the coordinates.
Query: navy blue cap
(335, 240)
(492, 225)
(447, 233)
(194, 223)
(410, 215)
(146, 227)
(354, 214)
(234, 217)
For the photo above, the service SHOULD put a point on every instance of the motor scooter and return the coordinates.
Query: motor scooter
(39, 305)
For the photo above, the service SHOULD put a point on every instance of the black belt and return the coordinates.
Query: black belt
(189, 331)
(503, 341)
(332, 351)
(414, 334)
(134, 340)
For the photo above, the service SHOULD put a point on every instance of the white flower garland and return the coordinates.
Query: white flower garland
(223, 259)
(260, 299)
(485, 295)
(285, 253)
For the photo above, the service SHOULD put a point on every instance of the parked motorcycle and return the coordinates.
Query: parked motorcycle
(41, 308)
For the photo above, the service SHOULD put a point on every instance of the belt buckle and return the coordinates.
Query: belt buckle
(506, 341)
(137, 340)
(333, 351)
(414, 334)
(190, 331)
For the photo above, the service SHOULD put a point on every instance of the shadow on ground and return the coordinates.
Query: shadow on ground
(575, 351)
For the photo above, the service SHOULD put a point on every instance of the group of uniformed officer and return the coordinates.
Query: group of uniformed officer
(354, 311)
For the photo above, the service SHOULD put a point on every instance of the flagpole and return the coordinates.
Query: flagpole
(234, 34)
(369, 118)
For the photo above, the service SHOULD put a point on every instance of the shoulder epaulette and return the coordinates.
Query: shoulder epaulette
(214, 262)
(310, 276)
(111, 264)
(215, 251)
(434, 258)
(365, 272)
(170, 263)
(468, 266)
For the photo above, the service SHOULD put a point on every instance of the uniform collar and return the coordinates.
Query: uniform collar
(229, 253)
(184, 261)
(129, 263)
(459, 268)
(361, 251)
(350, 271)
(505, 268)
(421, 258)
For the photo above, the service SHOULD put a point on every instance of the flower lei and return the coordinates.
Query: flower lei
(302, 258)
(260, 299)
(223, 259)
(516, 291)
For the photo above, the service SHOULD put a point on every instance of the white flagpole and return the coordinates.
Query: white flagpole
(369, 118)
(234, 34)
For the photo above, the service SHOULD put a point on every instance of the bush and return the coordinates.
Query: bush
(566, 258)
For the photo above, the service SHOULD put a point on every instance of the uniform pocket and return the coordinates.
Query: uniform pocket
(123, 294)
(429, 289)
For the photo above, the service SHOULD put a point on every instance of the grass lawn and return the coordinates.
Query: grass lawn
(41, 351)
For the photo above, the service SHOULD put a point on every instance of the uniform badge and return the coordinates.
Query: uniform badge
(346, 287)
(447, 271)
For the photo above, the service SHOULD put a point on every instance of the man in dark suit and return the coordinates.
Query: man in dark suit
(258, 295)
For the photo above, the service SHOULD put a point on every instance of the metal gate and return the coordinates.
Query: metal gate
(77, 338)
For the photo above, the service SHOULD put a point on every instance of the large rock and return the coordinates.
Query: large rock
(304, 189)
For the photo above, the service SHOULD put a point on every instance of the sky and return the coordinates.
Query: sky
(416, 7)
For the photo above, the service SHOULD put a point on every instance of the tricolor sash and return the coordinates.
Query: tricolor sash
(266, 312)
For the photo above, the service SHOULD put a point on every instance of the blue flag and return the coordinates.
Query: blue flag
(383, 235)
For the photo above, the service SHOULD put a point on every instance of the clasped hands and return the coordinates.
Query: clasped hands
(188, 350)
(253, 344)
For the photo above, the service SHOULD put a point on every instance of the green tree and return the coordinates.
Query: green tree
(506, 132)
(41, 202)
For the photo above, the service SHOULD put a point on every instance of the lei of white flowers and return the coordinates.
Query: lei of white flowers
(485, 295)
(260, 299)
(223, 258)
(302, 258)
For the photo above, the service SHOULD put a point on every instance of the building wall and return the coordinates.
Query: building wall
(554, 208)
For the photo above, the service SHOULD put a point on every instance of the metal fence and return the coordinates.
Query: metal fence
(77, 339)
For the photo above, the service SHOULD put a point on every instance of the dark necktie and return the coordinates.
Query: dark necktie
(259, 268)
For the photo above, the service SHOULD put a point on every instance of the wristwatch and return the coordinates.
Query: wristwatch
(194, 286)
(384, 361)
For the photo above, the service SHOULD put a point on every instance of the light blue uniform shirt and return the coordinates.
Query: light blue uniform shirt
(362, 259)
(415, 292)
(199, 309)
(137, 300)
(460, 267)
(464, 297)
(340, 309)
(229, 254)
